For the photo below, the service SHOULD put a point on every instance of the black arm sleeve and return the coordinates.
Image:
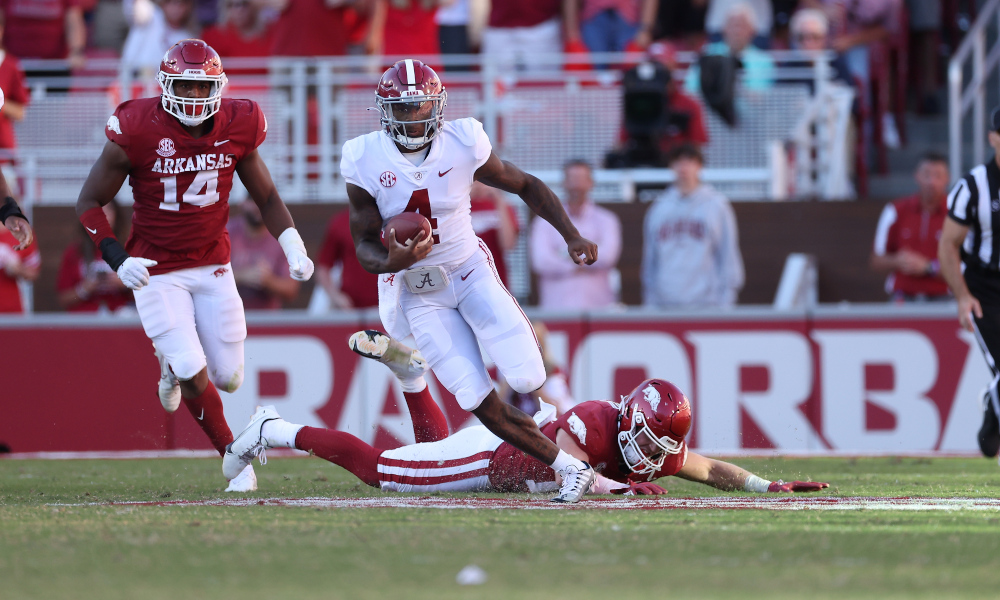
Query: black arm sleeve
(9, 208)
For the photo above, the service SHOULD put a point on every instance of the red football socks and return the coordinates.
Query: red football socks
(207, 412)
(429, 424)
(341, 449)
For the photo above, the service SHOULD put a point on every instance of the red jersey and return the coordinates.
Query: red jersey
(227, 41)
(905, 225)
(12, 84)
(181, 184)
(10, 294)
(486, 224)
(36, 28)
(338, 246)
(594, 427)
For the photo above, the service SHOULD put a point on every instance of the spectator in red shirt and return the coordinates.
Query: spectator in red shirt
(688, 124)
(405, 27)
(241, 32)
(495, 222)
(520, 31)
(16, 97)
(45, 29)
(15, 266)
(258, 262)
(86, 283)
(355, 287)
(906, 241)
(310, 27)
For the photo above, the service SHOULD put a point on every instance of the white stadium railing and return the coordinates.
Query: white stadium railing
(973, 78)
(536, 119)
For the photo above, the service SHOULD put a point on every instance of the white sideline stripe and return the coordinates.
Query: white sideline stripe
(433, 471)
(134, 454)
(526, 502)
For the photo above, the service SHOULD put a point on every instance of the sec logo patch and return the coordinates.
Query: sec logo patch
(166, 148)
(387, 179)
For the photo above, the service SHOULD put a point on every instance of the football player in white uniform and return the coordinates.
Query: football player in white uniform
(443, 288)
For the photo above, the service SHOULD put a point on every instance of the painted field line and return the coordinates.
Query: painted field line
(536, 503)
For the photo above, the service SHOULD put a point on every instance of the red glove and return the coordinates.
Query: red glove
(642, 488)
(796, 486)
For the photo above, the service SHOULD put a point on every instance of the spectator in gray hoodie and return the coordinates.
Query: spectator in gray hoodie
(691, 254)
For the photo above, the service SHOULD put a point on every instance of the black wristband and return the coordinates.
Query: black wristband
(113, 253)
(9, 208)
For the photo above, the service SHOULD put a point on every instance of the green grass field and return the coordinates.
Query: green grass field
(61, 536)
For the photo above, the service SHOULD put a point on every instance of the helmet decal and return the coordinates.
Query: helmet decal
(652, 396)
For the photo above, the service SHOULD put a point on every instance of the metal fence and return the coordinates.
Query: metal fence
(536, 119)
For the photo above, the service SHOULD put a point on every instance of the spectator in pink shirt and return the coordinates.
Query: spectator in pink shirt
(610, 25)
(258, 262)
(562, 284)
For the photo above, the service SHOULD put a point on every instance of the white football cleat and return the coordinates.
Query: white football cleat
(402, 360)
(575, 483)
(248, 444)
(246, 481)
(169, 389)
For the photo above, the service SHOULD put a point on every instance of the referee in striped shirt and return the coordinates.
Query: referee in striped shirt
(969, 255)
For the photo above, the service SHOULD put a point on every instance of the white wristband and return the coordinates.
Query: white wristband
(756, 484)
(291, 240)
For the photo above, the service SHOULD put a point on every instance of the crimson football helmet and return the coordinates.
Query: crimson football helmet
(411, 100)
(191, 60)
(659, 409)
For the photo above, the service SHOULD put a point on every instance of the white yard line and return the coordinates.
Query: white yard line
(535, 503)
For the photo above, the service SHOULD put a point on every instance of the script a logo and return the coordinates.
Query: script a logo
(166, 148)
(387, 179)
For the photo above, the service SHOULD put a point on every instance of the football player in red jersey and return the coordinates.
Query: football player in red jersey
(631, 443)
(180, 152)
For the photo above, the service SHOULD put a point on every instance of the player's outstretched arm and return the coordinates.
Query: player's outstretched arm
(105, 179)
(726, 476)
(366, 229)
(540, 199)
(257, 179)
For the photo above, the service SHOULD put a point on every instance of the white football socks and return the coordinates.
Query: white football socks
(412, 385)
(279, 433)
(564, 460)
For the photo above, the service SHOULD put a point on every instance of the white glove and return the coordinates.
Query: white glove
(299, 265)
(133, 272)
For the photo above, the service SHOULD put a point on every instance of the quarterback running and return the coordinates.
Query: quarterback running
(631, 443)
(443, 287)
(180, 152)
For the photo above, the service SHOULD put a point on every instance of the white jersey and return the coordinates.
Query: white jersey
(438, 188)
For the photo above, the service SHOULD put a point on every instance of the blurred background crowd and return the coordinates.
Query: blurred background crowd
(687, 79)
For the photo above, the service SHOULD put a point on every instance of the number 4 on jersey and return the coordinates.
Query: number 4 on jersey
(420, 203)
(203, 191)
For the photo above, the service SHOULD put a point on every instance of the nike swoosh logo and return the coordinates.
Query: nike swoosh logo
(217, 144)
(440, 174)
(93, 231)
(470, 272)
(202, 417)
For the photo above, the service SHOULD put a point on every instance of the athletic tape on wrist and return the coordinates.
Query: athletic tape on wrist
(291, 240)
(9, 208)
(756, 484)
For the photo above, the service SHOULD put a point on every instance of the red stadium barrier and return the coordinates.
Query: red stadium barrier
(846, 384)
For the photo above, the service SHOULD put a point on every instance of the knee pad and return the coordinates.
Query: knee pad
(185, 366)
(228, 380)
(528, 378)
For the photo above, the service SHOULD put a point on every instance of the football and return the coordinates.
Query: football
(407, 225)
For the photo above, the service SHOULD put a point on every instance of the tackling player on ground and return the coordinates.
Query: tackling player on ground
(444, 288)
(180, 152)
(632, 443)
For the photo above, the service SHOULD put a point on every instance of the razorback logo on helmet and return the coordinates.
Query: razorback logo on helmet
(114, 124)
(652, 396)
(166, 148)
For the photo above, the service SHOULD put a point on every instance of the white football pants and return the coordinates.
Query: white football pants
(458, 463)
(196, 313)
(447, 323)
